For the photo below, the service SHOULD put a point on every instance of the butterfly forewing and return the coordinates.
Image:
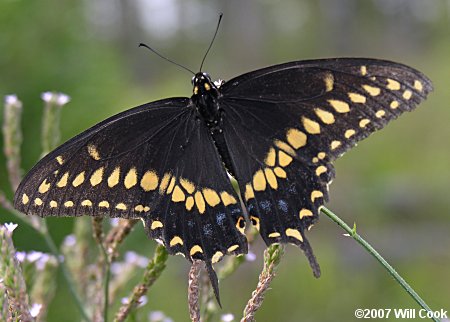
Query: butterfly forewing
(155, 162)
(285, 124)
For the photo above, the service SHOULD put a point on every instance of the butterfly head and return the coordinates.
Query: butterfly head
(202, 83)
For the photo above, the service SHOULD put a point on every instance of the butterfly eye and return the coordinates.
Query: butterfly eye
(193, 80)
(206, 75)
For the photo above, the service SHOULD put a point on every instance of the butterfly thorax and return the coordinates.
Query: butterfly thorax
(205, 99)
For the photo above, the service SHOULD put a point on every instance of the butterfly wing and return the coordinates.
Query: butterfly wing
(156, 162)
(285, 124)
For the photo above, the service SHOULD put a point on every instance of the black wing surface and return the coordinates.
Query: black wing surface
(156, 162)
(285, 124)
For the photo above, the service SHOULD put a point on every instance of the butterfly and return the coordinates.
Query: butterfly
(276, 130)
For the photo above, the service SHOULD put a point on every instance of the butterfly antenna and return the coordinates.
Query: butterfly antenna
(165, 58)
(212, 41)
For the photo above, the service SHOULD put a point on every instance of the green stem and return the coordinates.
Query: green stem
(379, 258)
(51, 244)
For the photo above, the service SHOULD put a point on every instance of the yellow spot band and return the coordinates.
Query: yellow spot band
(200, 202)
(63, 181)
(121, 206)
(211, 197)
(295, 138)
(339, 106)
(96, 177)
(187, 185)
(216, 257)
(325, 116)
(270, 158)
(113, 179)
(294, 233)
(92, 150)
(130, 179)
(259, 181)
(373, 91)
(305, 213)
(310, 126)
(393, 85)
(178, 194)
(195, 249)
(176, 240)
(232, 248)
(249, 193)
(280, 173)
(189, 203)
(271, 178)
(149, 181)
(283, 159)
(227, 199)
(357, 98)
(43, 188)
(156, 224)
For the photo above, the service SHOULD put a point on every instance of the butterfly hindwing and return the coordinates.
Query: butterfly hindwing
(285, 124)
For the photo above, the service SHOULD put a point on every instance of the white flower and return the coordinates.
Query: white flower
(158, 316)
(42, 262)
(11, 99)
(10, 226)
(33, 256)
(35, 309)
(47, 96)
(136, 259)
(227, 317)
(70, 240)
(59, 98)
(62, 99)
(251, 257)
(21, 256)
(114, 222)
(142, 301)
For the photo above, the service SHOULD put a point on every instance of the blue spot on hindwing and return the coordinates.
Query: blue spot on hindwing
(265, 205)
(207, 229)
(220, 218)
(292, 189)
(282, 205)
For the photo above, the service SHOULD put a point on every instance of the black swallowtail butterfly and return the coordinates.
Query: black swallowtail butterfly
(276, 130)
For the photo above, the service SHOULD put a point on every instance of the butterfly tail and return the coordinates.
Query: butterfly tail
(307, 249)
(214, 281)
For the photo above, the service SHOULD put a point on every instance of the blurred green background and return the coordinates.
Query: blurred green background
(394, 185)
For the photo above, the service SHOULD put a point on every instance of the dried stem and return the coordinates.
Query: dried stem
(272, 257)
(51, 120)
(12, 138)
(12, 280)
(44, 286)
(152, 272)
(117, 235)
(194, 291)
(97, 230)
(6, 204)
(102, 274)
